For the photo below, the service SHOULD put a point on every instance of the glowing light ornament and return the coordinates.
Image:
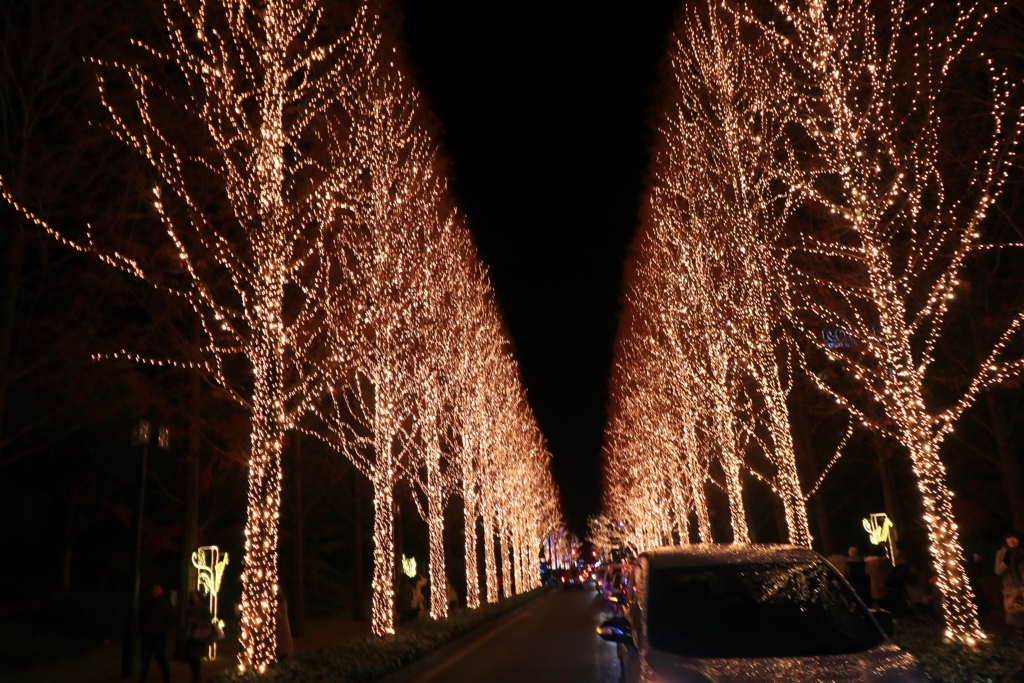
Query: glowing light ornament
(209, 574)
(879, 528)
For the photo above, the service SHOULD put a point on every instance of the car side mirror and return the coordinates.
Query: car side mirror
(885, 620)
(616, 630)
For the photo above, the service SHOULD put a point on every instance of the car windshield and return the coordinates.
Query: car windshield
(756, 610)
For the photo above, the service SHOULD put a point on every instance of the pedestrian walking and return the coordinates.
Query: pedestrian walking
(453, 597)
(857, 575)
(896, 599)
(155, 620)
(837, 560)
(1008, 565)
(198, 631)
(285, 646)
(417, 596)
(405, 611)
(878, 568)
(919, 593)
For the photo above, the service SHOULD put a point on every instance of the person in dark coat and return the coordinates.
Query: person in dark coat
(405, 610)
(857, 575)
(896, 599)
(285, 644)
(450, 594)
(1009, 561)
(156, 618)
(198, 629)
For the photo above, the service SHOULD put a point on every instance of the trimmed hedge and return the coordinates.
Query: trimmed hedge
(372, 658)
(999, 660)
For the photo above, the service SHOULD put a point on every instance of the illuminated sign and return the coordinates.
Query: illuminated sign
(879, 528)
(209, 573)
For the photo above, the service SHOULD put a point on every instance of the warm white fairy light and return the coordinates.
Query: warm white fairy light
(232, 128)
(391, 347)
(698, 376)
(904, 221)
(867, 93)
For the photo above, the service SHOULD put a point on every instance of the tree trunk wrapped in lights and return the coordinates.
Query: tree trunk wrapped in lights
(490, 564)
(506, 559)
(470, 515)
(904, 214)
(706, 290)
(722, 397)
(436, 496)
(234, 114)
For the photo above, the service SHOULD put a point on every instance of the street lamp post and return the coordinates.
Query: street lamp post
(141, 435)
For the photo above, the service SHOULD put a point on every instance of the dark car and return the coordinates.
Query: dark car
(572, 578)
(714, 612)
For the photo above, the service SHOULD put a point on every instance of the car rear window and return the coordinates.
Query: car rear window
(756, 610)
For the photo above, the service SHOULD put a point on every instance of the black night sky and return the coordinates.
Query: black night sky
(545, 114)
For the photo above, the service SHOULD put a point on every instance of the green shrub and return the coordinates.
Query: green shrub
(997, 660)
(369, 659)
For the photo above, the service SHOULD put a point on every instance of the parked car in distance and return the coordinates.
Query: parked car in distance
(572, 577)
(715, 613)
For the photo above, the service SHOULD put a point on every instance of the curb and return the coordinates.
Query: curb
(423, 663)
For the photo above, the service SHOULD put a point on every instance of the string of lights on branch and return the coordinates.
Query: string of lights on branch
(301, 192)
(807, 216)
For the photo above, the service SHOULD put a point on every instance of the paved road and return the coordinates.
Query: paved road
(551, 641)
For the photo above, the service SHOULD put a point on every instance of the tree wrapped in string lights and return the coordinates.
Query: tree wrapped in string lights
(488, 378)
(239, 117)
(366, 411)
(310, 228)
(481, 349)
(843, 111)
(706, 292)
(516, 495)
(446, 308)
(903, 216)
(414, 365)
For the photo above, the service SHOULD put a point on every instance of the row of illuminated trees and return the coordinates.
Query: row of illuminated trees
(301, 213)
(818, 186)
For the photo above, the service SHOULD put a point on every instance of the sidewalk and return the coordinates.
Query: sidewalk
(103, 664)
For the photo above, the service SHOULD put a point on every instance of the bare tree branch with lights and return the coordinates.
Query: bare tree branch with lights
(875, 274)
(240, 115)
(412, 364)
(708, 293)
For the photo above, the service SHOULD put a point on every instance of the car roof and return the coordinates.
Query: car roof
(706, 554)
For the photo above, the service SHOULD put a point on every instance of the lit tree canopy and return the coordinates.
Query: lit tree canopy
(806, 204)
(309, 227)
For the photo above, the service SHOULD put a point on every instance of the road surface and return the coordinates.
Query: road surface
(553, 640)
